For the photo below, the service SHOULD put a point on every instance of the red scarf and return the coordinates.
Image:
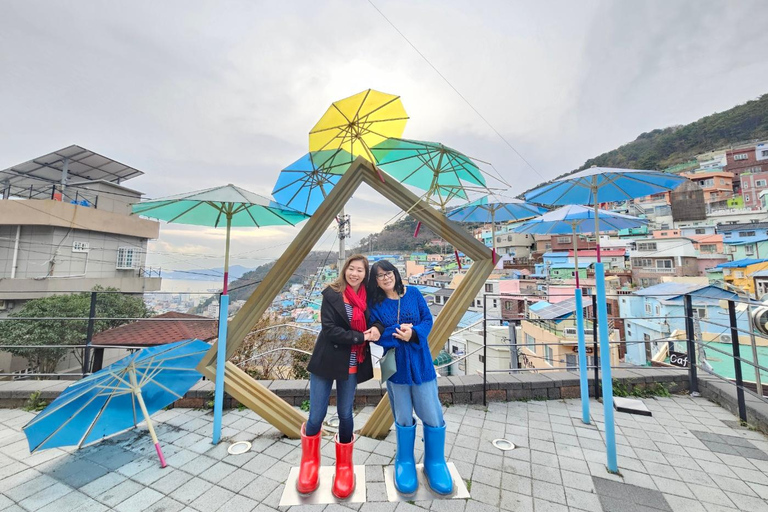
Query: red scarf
(359, 304)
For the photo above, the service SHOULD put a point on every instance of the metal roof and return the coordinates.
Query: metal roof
(745, 262)
(547, 311)
(80, 162)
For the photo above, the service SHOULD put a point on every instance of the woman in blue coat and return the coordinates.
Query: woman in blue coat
(407, 323)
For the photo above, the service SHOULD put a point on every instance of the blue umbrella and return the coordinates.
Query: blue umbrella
(575, 219)
(112, 399)
(305, 183)
(603, 185)
(483, 210)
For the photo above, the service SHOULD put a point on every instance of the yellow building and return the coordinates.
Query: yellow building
(739, 273)
(548, 338)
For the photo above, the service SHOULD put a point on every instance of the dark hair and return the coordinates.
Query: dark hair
(375, 293)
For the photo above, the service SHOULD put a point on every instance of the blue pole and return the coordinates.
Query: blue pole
(605, 365)
(582, 358)
(221, 359)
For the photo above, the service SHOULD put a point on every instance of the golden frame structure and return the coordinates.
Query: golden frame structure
(274, 409)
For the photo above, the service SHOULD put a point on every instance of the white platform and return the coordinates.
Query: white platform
(424, 493)
(323, 494)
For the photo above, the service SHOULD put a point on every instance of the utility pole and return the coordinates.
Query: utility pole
(344, 232)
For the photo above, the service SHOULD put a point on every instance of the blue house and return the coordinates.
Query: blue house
(745, 240)
(654, 314)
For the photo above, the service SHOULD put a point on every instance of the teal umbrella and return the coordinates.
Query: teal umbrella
(442, 172)
(226, 205)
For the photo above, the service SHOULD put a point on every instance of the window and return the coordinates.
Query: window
(708, 248)
(549, 355)
(508, 305)
(759, 183)
(489, 287)
(740, 156)
(80, 247)
(509, 238)
(548, 246)
(126, 258)
(498, 239)
(646, 337)
(658, 310)
(764, 152)
(647, 246)
(746, 198)
(664, 264)
(700, 312)
(642, 262)
(530, 342)
(739, 273)
(495, 303)
(648, 308)
(726, 271)
(746, 233)
(749, 249)
(722, 181)
(482, 359)
(563, 239)
(700, 231)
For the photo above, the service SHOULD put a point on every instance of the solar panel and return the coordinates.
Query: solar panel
(81, 163)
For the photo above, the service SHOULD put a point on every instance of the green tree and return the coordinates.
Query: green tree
(49, 324)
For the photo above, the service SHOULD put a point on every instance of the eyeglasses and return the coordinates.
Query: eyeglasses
(385, 275)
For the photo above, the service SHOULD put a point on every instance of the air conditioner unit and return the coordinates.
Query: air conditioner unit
(725, 338)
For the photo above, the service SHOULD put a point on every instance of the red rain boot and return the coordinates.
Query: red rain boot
(310, 462)
(344, 480)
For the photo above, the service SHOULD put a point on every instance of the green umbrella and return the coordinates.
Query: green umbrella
(228, 205)
(442, 171)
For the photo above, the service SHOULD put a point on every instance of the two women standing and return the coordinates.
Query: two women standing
(398, 319)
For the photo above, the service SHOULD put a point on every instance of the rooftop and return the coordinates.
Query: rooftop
(160, 330)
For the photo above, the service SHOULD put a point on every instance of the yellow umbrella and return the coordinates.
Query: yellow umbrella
(358, 123)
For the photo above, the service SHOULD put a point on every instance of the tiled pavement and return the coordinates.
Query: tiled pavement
(684, 458)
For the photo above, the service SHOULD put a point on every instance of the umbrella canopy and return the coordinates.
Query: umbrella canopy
(430, 166)
(358, 123)
(115, 398)
(305, 183)
(577, 219)
(484, 210)
(604, 185)
(214, 206)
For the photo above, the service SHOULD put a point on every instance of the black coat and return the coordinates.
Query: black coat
(330, 357)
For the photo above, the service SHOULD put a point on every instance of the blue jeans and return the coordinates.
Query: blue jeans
(422, 398)
(319, 395)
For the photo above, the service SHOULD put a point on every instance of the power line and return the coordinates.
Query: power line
(460, 95)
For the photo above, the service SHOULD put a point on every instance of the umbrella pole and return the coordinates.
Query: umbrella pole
(597, 223)
(221, 347)
(493, 235)
(575, 256)
(140, 399)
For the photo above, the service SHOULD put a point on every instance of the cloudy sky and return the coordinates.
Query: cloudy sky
(199, 94)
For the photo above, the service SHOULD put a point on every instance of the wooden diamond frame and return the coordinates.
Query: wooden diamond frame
(265, 403)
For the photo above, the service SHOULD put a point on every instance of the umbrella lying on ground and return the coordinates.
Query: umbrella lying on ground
(117, 397)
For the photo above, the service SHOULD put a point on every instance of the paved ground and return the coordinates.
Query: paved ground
(690, 456)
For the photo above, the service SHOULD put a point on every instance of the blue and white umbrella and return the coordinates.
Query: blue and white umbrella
(576, 219)
(305, 183)
(483, 210)
(598, 185)
(117, 397)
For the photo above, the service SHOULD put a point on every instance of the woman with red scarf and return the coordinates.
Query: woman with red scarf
(341, 354)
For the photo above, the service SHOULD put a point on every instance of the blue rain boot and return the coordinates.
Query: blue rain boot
(435, 468)
(406, 480)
